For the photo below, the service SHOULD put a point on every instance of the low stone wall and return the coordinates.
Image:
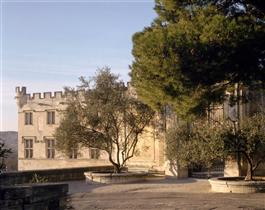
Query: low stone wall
(32, 197)
(53, 175)
(127, 177)
(236, 185)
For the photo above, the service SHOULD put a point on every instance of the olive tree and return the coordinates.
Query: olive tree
(247, 139)
(203, 142)
(102, 114)
(195, 143)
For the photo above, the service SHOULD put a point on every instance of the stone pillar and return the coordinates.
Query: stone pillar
(233, 166)
(172, 169)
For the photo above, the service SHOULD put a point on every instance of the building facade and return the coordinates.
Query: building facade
(39, 115)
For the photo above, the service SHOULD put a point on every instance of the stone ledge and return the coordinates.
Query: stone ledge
(52, 175)
(230, 185)
(114, 178)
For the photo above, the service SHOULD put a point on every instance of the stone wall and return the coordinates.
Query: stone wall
(149, 152)
(233, 168)
(260, 171)
(47, 164)
(32, 197)
(39, 131)
(53, 175)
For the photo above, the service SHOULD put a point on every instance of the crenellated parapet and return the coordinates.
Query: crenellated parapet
(52, 98)
(46, 95)
(45, 98)
(22, 97)
(22, 92)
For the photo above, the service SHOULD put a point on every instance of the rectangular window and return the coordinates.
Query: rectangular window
(50, 148)
(28, 148)
(94, 153)
(51, 117)
(73, 153)
(28, 118)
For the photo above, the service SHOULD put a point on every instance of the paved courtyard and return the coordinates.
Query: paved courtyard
(165, 194)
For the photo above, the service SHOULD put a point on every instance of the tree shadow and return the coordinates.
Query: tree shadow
(83, 187)
(79, 190)
(171, 180)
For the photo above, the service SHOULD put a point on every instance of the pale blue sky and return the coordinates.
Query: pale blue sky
(47, 45)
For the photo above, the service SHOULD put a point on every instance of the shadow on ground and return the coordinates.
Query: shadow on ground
(82, 191)
(168, 194)
(82, 186)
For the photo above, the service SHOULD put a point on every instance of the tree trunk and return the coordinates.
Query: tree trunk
(208, 173)
(249, 175)
(209, 113)
(239, 120)
(117, 169)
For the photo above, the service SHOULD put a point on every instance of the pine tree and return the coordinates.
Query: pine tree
(195, 50)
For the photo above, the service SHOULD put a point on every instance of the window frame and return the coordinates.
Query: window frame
(94, 153)
(50, 148)
(50, 120)
(28, 118)
(28, 148)
(73, 154)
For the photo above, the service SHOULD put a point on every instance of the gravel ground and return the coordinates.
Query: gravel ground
(165, 194)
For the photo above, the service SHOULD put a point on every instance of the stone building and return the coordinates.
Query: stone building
(39, 115)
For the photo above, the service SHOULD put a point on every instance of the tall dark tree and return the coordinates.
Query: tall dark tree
(102, 114)
(196, 50)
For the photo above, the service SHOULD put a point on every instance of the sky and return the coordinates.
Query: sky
(47, 45)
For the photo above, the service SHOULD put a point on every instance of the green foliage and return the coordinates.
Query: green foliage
(193, 52)
(38, 179)
(3, 154)
(101, 114)
(196, 143)
(204, 143)
(248, 139)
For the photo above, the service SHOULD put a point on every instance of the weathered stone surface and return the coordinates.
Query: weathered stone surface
(15, 192)
(128, 177)
(33, 197)
(229, 185)
(38, 206)
(52, 175)
(12, 208)
(150, 147)
(11, 202)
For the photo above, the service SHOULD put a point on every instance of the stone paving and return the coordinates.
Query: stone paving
(168, 194)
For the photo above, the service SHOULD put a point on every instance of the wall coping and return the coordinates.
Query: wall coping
(51, 175)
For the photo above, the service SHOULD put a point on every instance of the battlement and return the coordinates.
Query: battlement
(23, 97)
(22, 92)
(46, 95)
